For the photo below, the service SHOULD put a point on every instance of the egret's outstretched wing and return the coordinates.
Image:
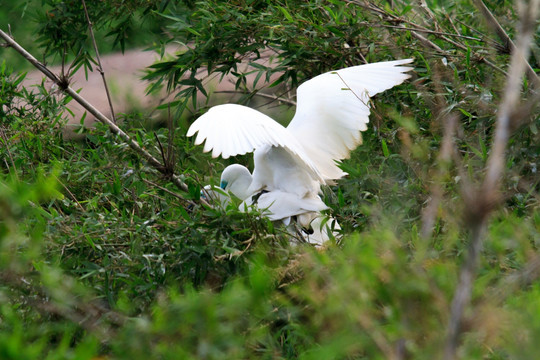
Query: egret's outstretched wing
(231, 129)
(333, 108)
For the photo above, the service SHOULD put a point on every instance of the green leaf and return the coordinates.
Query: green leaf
(385, 150)
(286, 13)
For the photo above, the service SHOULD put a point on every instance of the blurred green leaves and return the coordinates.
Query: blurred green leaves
(102, 257)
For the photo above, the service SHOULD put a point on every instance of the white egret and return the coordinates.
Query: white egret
(290, 164)
(301, 216)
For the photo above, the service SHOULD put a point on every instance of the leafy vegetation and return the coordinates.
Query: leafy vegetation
(102, 256)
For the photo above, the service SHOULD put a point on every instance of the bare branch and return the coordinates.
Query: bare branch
(427, 43)
(152, 161)
(179, 197)
(165, 163)
(482, 203)
(518, 66)
(416, 29)
(170, 145)
(70, 193)
(462, 294)
(422, 30)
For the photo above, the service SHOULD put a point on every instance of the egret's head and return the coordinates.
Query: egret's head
(223, 184)
(236, 179)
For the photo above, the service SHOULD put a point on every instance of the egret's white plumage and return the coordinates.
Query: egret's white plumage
(236, 179)
(276, 204)
(291, 163)
(301, 215)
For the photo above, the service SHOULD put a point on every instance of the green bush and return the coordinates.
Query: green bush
(102, 256)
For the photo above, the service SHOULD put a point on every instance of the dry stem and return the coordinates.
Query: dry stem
(482, 203)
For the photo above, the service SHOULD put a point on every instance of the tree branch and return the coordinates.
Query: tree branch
(267, 96)
(481, 204)
(152, 161)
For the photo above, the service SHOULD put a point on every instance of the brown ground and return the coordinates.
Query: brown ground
(123, 73)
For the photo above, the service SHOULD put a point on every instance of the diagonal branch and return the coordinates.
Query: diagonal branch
(152, 161)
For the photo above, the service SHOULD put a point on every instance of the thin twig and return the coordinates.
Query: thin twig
(170, 144)
(427, 42)
(471, 28)
(416, 29)
(462, 294)
(152, 161)
(70, 193)
(100, 67)
(518, 66)
(498, 29)
(422, 30)
(267, 96)
(165, 164)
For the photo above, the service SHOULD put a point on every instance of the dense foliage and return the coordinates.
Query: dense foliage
(101, 256)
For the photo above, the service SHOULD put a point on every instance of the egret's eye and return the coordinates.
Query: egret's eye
(223, 184)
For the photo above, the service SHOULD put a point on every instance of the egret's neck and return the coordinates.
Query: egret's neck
(240, 187)
(237, 179)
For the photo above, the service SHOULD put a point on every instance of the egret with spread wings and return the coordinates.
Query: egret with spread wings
(291, 163)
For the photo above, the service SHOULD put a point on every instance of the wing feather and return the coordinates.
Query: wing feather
(333, 108)
(280, 205)
(231, 129)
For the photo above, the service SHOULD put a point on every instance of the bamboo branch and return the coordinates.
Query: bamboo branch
(152, 161)
(165, 190)
(422, 30)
